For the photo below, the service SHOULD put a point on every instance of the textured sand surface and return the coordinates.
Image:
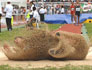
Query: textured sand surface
(45, 63)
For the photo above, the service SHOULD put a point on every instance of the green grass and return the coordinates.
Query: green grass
(89, 30)
(67, 67)
(54, 26)
(51, 27)
(7, 67)
(7, 36)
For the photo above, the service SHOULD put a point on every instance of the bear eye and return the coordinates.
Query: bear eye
(57, 34)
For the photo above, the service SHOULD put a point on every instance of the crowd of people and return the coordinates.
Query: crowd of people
(75, 11)
(10, 12)
(36, 14)
(64, 0)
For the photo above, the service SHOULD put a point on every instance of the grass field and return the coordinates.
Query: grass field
(67, 67)
(7, 36)
(50, 27)
(89, 30)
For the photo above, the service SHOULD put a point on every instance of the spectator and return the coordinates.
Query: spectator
(31, 8)
(57, 8)
(62, 10)
(45, 10)
(8, 10)
(24, 10)
(48, 9)
(27, 14)
(42, 11)
(53, 10)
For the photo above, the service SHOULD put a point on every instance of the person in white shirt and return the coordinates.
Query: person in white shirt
(8, 11)
(45, 10)
(31, 8)
(42, 11)
(62, 10)
(36, 16)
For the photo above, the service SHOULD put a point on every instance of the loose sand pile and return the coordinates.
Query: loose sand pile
(44, 63)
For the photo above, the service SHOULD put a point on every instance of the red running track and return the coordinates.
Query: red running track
(71, 28)
(67, 27)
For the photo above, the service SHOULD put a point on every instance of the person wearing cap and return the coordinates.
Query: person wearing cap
(8, 11)
(42, 11)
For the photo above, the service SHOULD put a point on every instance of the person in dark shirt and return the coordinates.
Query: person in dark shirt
(77, 12)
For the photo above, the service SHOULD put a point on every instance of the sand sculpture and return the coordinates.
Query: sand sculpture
(44, 45)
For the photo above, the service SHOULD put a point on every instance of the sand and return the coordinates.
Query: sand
(45, 63)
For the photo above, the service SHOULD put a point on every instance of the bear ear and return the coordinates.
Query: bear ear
(57, 34)
(56, 53)
(61, 52)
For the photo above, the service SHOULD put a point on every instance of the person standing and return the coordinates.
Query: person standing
(27, 14)
(72, 8)
(8, 11)
(31, 8)
(77, 12)
(42, 11)
(62, 9)
(52, 8)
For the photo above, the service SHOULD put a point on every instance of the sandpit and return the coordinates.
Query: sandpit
(45, 63)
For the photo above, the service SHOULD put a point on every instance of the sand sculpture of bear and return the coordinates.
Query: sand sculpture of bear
(44, 45)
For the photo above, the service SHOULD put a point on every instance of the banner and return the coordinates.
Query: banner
(86, 7)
